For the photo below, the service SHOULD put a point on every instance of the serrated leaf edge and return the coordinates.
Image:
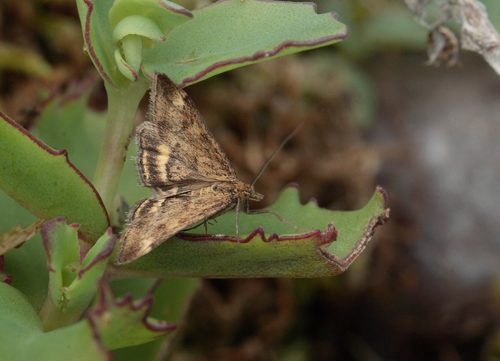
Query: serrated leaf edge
(56, 153)
(344, 262)
(105, 296)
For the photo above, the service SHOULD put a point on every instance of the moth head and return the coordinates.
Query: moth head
(252, 195)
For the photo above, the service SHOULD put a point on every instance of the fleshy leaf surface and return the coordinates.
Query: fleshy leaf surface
(123, 36)
(116, 31)
(66, 122)
(229, 34)
(72, 280)
(26, 265)
(22, 337)
(171, 302)
(45, 182)
(260, 252)
(123, 322)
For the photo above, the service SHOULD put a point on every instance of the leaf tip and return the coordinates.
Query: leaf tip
(48, 230)
(89, 45)
(103, 254)
(383, 193)
(377, 220)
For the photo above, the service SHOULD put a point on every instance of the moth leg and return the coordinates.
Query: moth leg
(194, 227)
(204, 223)
(247, 210)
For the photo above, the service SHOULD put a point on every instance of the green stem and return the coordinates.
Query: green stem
(122, 106)
(53, 317)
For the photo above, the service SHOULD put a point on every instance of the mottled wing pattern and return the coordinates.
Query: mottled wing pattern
(156, 162)
(156, 219)
(176, 146)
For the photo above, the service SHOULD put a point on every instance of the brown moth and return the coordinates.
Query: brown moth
(191, 177)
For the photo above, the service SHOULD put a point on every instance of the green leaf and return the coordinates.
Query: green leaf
(46, 183)
(18, 321)
(27, 264)
(230, 34)
(109, 324)
(123, 322)
(128, 53)
(261, 252)
(171, 298)
(82, 290)
(16, 315)
(72, 282)
(197, 45)
(65, 122)
(106, 27)
(22, 337)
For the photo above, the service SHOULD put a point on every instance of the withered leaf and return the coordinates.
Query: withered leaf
(17, 236)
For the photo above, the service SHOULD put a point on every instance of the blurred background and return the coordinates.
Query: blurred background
(428, 285)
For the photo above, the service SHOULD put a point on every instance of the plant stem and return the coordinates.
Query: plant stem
(122, 106)
(53, 317)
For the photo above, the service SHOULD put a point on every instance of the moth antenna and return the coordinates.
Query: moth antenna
(290, 136)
